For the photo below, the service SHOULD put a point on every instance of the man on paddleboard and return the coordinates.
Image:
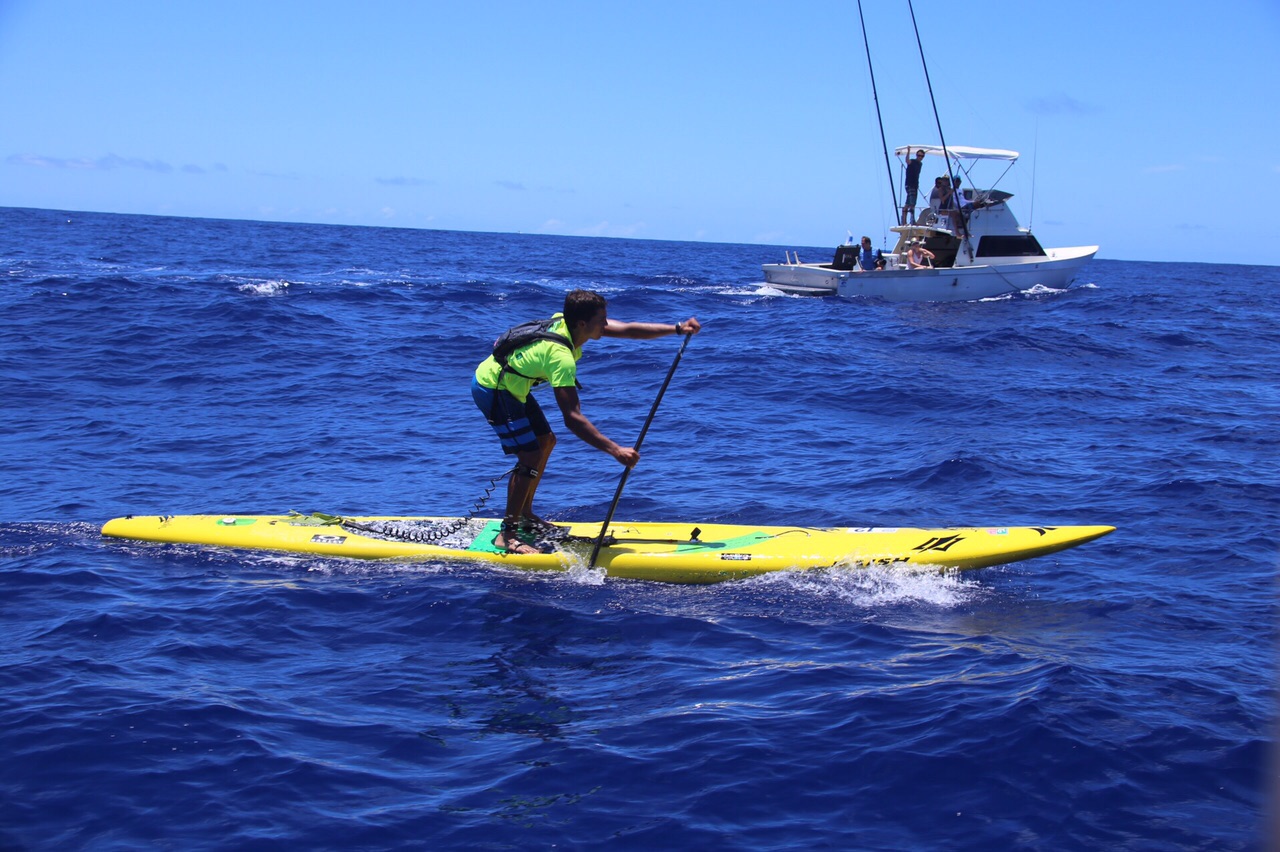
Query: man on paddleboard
(501, 389)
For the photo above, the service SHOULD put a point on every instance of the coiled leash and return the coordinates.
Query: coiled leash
(420, 532)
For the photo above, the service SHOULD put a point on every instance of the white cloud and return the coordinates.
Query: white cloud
(107, 163)
(606, 229)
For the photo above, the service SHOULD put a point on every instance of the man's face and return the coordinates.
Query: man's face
(595, 325)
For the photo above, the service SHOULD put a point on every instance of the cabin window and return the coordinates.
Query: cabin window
(1018, 245)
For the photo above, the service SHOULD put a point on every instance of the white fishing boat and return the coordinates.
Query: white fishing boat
(979, 250)
(968, 246)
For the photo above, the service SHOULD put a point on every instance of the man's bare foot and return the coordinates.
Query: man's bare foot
(512, 544)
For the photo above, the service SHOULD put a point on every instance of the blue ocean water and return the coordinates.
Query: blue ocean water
(1117, 695)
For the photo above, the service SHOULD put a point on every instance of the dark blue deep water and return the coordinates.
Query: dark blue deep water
(1119, 695)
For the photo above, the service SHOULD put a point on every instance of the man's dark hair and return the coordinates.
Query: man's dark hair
(580, 306)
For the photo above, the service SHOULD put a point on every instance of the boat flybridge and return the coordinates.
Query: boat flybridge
(978, 249)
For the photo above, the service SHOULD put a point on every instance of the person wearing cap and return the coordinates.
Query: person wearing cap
(919, 257)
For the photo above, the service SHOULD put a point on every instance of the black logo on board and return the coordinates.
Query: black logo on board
(942, 543)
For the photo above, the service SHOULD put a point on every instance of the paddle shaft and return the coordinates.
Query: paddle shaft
(612, 540)
(604, 528)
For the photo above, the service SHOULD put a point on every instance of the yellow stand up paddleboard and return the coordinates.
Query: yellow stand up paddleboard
(673, 553)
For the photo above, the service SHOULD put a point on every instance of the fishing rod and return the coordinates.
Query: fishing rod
(604, 528)
(1035, 153)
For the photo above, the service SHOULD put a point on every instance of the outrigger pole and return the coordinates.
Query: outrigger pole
(884, 144)
(946, 155)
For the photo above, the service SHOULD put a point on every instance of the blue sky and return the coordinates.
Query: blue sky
(1147, 128)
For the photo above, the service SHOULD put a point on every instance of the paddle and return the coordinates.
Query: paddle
(604, 528)
(613, 539)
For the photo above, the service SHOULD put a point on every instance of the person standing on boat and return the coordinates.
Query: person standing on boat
(959, 204)
(867, 257)
(913, 186)
(502, 392)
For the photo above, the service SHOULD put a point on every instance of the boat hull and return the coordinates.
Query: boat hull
(675, 553)
(1056, 271)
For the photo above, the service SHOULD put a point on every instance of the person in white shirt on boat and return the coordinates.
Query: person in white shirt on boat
(919, 257)
(959, 204)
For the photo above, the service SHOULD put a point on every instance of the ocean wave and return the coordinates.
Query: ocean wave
(209, 697)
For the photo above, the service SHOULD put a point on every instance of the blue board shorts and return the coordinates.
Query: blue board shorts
(518, 424)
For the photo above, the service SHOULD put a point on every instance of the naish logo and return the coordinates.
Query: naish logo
(736, 557)
(879, 561)
(328, 539)
(942, 543)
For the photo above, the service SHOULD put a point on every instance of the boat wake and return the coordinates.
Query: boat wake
(880, 586)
